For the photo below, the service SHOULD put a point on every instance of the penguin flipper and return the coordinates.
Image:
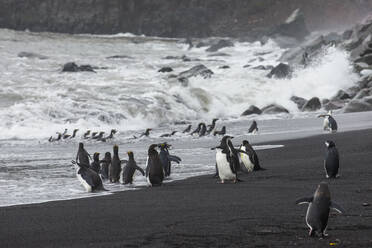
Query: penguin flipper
(304, 200)
(141, 170)
(337, 207)
(174, 159)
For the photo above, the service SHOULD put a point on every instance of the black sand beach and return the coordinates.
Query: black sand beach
(199, 212)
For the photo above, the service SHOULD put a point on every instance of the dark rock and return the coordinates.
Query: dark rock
(260, 59)
(196, 71)
(341, 95)
(300, 102)
(259, 67)
(221, 44)
(294, 26)
(365, 59)
(359, 105)
(347, 34)
(219, 55)
(70, 67)
(86, 68)
(363, 93)
(31, 55)
(172, 57)
(332, 105)
(201, 44)
(280, 71)
(119, 57)
(165, 69)
(274, 109)
(185, 58)
(353, 91)
(224, 67)
(246, 66)
(312, 105)
(252, 110)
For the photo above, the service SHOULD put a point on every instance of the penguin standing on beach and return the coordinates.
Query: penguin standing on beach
(90, 180)
(253, 129)
(227, 160)
(249, 159)
(166, 158)
(130, 168)
(329, 123)
(95, 165)
(154, 167)
(82, 155)
(115, 166)
(318, 210)
(105, 164)
(332, 160)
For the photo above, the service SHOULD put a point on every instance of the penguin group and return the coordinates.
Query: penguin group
(98, 136)
(92, 174)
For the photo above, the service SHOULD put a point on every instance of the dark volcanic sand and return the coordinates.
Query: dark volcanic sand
(199, 212)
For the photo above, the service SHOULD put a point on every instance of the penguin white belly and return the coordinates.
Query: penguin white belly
(148, 176)
(224, 170)
(84, 183)
(326, 126)
(246, 161)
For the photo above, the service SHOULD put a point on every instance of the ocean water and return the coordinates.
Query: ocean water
(128, 94)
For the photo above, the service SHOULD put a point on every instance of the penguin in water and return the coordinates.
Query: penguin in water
(130, 168)
(197, 130)
(222, 132)
(187, 129)
(329, 123)
(146, 133)
(115, 166)
(59, 136)
(332, 160)
(227, 160)
(86, 134)
(318, 210)
(105, 166)
(166, 158)
(154, 168)
(99, 136)
(203, 129)
(82, 155)
(253, 128)
(104, 139)
(212, 126)
(95, 165)
(88, 177)
(168, 134)
(74, 133)
(249, 159)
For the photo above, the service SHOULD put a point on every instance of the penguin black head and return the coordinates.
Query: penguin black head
(130, 154)
(81, 145)
(107, 156)
(96, 156)
(174, 132)
(330, 143)
(245, 142)
(116, 149)
(226, 139)
(152, 148)
(322, 190)
(113, 131)
(214, 120)
(75, 130)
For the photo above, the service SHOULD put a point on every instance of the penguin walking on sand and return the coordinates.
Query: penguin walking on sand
(82, 155)
(90, 180)
(332, 160)
(329, 123)
(318, 210)
(115, 166)
(222, 132)
(227, 160)
(166, 158)
(250, 161)
(154, 168)
(253, 129)
(105, 164)
(130, 168)
(95, 165)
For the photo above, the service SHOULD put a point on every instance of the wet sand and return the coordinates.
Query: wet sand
(199, 212)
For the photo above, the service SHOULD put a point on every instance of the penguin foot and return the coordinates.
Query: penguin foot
(222, 181)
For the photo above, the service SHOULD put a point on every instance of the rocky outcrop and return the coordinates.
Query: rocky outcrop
(219, 45)
(170, 18)
(280, 71)
(300, 102)
(198, 70)
(312, 105)
(274, 109)
(359, 105)
(72, 67)
(252, 110)
(165, 69)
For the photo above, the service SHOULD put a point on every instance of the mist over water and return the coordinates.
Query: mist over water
(37, 99)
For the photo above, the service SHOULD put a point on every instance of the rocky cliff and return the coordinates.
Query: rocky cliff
(174, 18)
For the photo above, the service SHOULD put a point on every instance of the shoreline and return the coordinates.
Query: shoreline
(257, 212)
